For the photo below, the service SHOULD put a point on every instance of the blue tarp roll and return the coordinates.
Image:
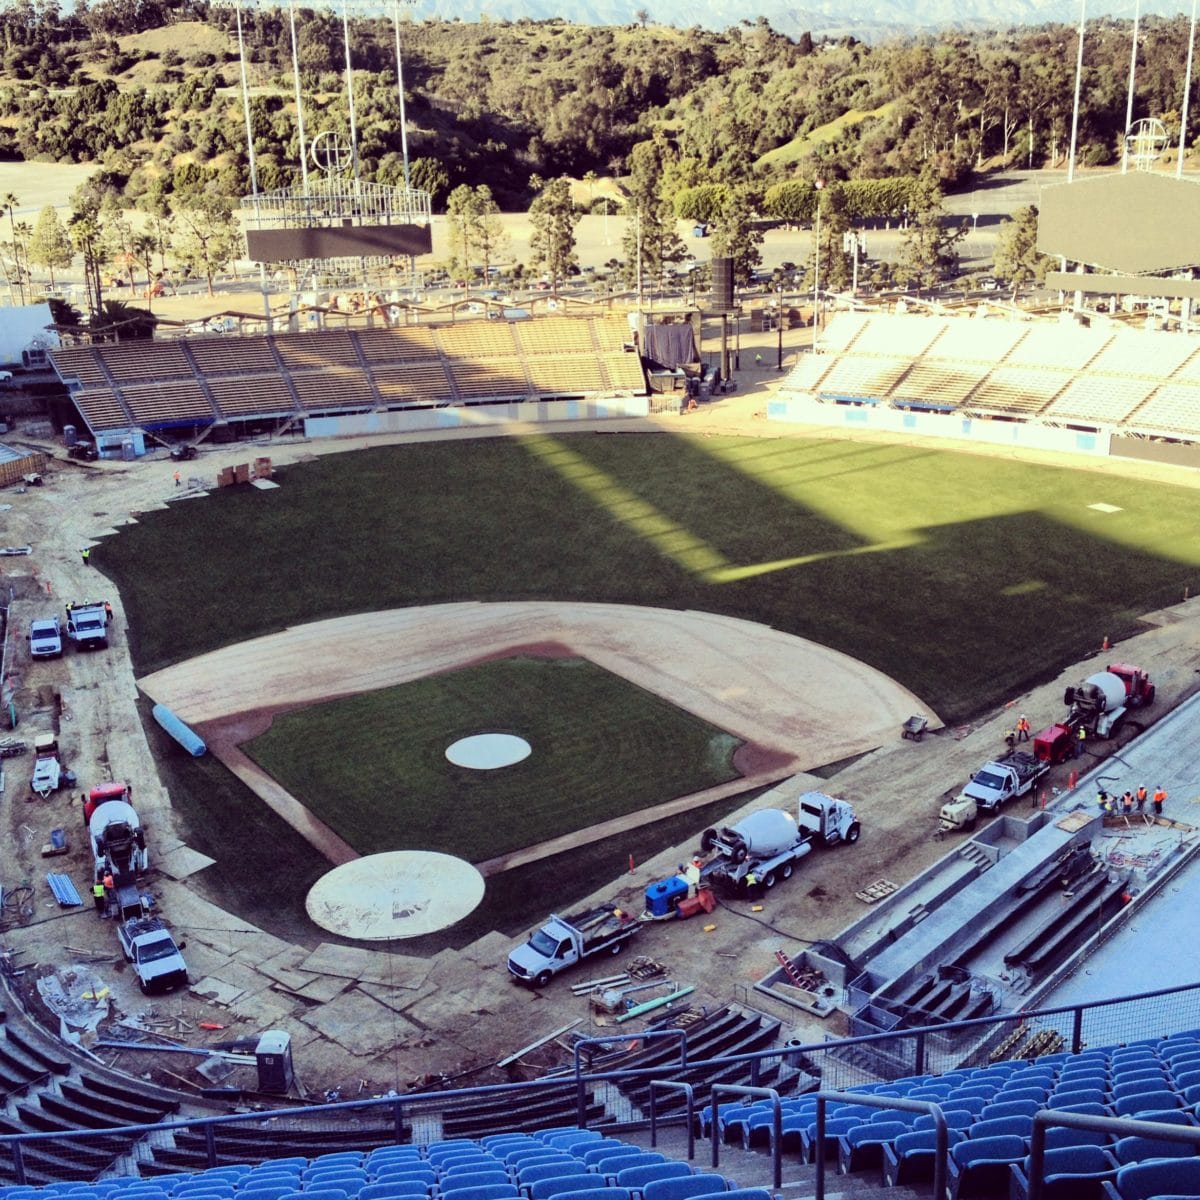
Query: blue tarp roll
(189, 740)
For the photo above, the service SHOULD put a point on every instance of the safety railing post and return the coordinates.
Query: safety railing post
(689, 1094)
(733, 1089)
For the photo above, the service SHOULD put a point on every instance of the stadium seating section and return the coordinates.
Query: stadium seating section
(200, 381)
(1138, 382)
(524, 1146)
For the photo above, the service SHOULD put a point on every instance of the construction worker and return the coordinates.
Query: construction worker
(98, 897)
(1127, 802)
(85, 553)
(1011, 737)
(1140, 796)
(1080, 741)
(1022, 728)
(108, 613)
(1159, 796)
(1103, 801)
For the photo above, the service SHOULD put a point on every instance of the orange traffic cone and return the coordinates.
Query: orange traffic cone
(1106, 646)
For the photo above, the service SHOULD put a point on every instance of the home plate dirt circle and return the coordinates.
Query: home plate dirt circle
(398, 894)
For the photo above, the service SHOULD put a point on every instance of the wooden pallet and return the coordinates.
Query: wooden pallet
(876, 891)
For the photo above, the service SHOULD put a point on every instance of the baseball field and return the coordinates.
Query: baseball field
(964, 578)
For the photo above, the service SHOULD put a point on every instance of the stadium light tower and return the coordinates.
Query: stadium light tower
(299, 97)
(1187, 87)
(397, 5)
(1137, 14)
(350, 90)
(236, 5)
(1078, 85)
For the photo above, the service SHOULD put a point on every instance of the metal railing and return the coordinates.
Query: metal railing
(395, 1117)
(941, 1150)
(1117, 1126)
(731, 1089)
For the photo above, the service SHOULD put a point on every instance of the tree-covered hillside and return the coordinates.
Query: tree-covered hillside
(149, 91)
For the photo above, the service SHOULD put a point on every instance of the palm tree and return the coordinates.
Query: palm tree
(10, 203)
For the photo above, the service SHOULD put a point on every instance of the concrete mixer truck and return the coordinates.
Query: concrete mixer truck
(119, 850)
(765, 846)
(1100, 702)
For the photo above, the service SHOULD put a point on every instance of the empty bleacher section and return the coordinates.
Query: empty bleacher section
(201, 382)
(1109, 380)
(1133, 1108)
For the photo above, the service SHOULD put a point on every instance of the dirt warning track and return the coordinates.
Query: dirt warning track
(795, 704)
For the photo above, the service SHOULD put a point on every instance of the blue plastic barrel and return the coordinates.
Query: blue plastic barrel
(182, 733)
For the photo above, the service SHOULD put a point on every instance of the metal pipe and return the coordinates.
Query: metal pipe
(1137, 15)
(650, 1005)
(237, 8)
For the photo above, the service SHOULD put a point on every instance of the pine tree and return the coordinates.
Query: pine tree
(553, 219)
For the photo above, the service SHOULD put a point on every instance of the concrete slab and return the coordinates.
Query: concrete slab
(360, 1025)
(183, 861)
(238, 973)
(265, 947)
(324, 988)
(203, 959)
(301, 1034)
(349, 962)
(216, 990)
(281, 967)
(399, 999)
(263, 1010)
(491, 949)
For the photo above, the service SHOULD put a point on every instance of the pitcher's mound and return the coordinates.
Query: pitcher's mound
(399, 894)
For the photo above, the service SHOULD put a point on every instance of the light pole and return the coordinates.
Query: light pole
(817, 272)
(854, 243)
(400, 88)
(779, 331)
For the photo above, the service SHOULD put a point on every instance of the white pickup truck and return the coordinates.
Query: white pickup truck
(157, 962)
(564, 941)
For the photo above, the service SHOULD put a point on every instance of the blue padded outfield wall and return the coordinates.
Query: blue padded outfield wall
(805, 411)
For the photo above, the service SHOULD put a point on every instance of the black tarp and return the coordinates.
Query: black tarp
(670, 345)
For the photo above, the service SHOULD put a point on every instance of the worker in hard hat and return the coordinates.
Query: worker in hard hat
(1022, 728)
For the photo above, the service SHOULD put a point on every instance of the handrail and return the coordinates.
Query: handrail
(1121, 1126)
(941, 1150)
(689, 1093)
(737, 1089)
(649, 1036)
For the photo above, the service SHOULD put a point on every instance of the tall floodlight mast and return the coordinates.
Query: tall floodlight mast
(236, 5)
(1137, 14)
(350, 89)
(299, 97)
(1078, 85)
(1187, 87)
(397, 5)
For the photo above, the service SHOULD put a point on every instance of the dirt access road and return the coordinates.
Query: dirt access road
(363, 1022)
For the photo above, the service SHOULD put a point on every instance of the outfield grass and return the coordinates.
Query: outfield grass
(967, 578)
(373, 767)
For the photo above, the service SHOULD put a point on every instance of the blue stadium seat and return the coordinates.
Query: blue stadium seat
(335, 1158)
(1138, 1081)
(1010, 1108)
(607, 1148)
(1128, 1150)
(983, 1091)
(544, 1189)
(685, 1187)
(463, 1176)
(1068, 1173)
(266, 1189)
(1025, 1091)
(833, 1130)
(909, 1159)
(979, 1167)
(961, 1103)
(609, 1168)
(527, 1175)
(483, 1191)
(1059, 1097)
(572, 1139)
(636, 1178)
(1058, 1137)
(401, 1169)
(1130, 1106)
(862, 1147)
(392, 1189)
(1162, 1177)
(529, 1156)
(510, 1141)
(599, 1193)
(1020, 1127)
